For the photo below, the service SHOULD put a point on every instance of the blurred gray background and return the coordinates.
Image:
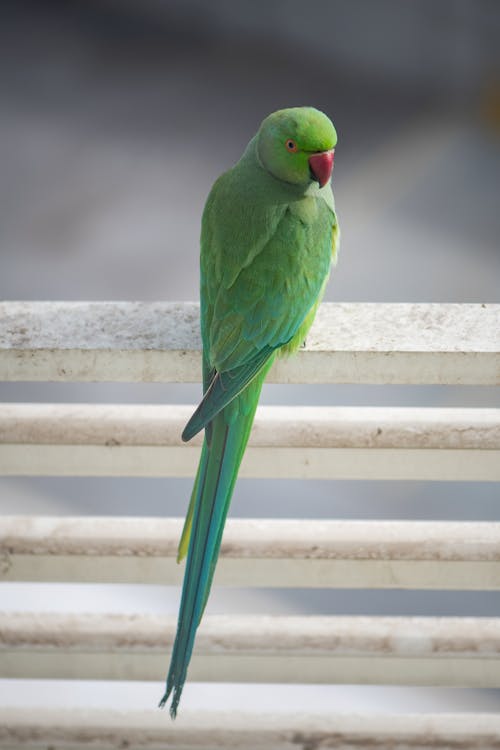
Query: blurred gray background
(115, 119)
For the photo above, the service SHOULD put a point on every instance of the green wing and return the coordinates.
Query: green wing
(263, 269)
(223, 388)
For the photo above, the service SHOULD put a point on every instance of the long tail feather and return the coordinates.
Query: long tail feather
(225, 441)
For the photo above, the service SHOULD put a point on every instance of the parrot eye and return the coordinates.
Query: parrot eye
(291, 145)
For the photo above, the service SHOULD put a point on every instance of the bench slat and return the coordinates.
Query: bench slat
(257, 552)
(159, 342)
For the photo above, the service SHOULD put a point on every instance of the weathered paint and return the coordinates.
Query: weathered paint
(159, 342)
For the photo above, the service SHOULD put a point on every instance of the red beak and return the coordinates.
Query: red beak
(321, 166)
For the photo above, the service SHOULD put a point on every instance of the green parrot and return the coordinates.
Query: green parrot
(269, 235)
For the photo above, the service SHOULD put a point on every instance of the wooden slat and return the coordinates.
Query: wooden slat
(303, 442)
(33, 728)
(447, 651)
(263, 553)
(158, 342)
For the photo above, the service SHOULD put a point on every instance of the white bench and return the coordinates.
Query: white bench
(350, 343)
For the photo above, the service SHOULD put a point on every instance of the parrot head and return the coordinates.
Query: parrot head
(296, 145)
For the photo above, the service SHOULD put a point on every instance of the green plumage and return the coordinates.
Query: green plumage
(268, 236)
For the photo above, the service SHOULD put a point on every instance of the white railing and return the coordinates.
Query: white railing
(353, 343)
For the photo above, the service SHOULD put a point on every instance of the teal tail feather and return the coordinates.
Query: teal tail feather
(225, 440)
